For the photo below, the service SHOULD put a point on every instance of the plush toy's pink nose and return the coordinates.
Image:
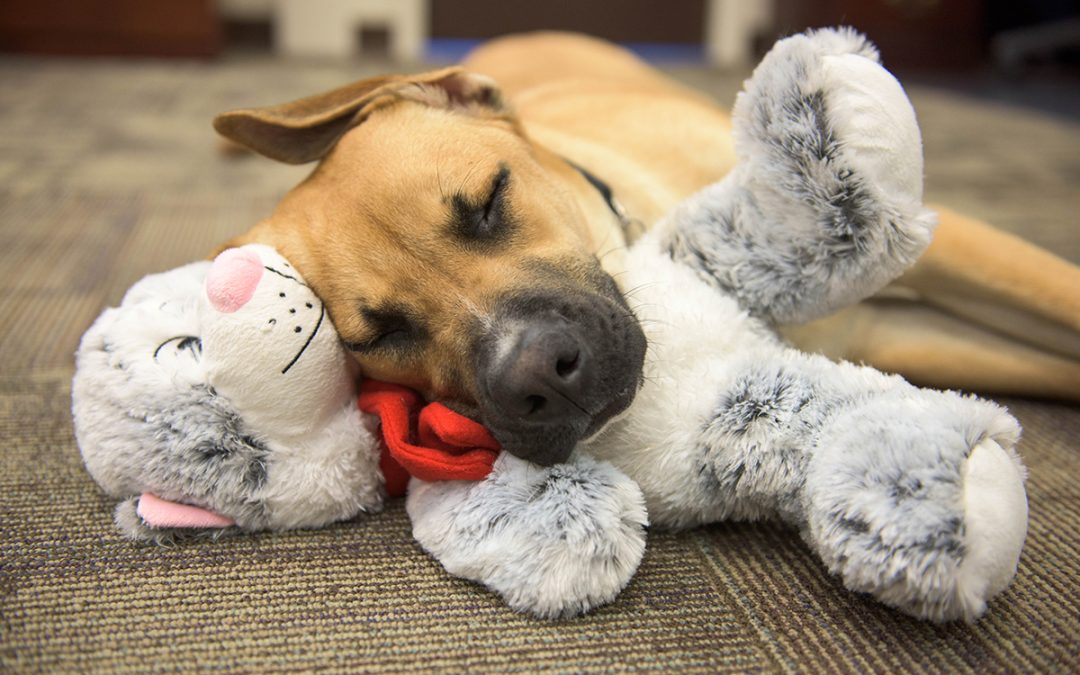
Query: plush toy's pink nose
(232, 279)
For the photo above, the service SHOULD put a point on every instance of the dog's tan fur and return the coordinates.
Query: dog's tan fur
(982, 310)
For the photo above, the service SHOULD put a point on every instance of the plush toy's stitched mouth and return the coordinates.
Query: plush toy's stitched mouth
(322, 313)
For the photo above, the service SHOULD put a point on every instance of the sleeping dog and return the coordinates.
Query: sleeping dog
(465, 228)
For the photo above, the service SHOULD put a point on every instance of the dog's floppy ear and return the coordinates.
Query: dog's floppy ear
(306, 129)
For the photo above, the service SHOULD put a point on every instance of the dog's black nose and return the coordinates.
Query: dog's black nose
(544, 375)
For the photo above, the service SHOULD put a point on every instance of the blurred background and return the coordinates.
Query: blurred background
(913, 34)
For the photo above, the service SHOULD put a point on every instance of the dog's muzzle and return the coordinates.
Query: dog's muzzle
(553, 370)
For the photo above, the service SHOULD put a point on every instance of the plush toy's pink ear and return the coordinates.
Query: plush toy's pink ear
(158, 512)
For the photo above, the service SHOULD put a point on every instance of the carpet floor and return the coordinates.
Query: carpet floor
(109, 170)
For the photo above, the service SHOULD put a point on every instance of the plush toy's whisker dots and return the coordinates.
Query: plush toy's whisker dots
(314, 332)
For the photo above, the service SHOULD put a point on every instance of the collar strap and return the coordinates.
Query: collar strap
(625, 223)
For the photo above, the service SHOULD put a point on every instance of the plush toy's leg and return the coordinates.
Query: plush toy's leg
(982, 310)
(917, 498)
(914, 496)
(825, 204)
(554, 542)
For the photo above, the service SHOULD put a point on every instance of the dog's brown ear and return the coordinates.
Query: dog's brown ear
(306, 129)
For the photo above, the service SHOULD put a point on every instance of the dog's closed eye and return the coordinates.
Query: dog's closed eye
(491, 216)
(485, 220)
(390, 329)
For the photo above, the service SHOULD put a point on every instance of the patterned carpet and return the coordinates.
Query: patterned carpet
(109, 170)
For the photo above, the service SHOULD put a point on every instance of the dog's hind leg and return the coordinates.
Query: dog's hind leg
(1001, 282)
(982, 310)
(933, 348)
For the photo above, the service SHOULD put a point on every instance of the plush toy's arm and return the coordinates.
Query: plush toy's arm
(911, 495)
(554, 541)
(825, 205)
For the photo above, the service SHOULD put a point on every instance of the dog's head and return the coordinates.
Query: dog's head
(454, 255)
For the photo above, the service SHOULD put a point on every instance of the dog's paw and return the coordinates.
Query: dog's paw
(554, 542)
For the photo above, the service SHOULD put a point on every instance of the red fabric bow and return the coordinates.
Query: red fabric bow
(448, 446)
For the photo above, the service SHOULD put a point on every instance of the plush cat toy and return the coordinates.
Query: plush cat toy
(220, 397)
(911, 495)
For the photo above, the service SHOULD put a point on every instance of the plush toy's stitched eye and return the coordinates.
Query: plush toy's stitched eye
(182, 343)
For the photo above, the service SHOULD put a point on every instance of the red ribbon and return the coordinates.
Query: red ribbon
(448, 446)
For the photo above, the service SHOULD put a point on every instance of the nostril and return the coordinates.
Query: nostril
(536, 403)
(565, 367)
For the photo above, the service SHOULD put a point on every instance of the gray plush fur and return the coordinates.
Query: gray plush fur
(824, 208)
(165, 400)
(553, 541)
(182, 443)
(802, 226)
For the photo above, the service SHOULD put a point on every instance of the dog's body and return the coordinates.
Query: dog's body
(456, 240)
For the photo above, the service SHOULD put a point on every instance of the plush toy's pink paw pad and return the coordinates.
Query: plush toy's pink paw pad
(158, 512)
(232, 279)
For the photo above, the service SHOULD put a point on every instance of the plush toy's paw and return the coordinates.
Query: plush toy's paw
(136, 522)
(821, 116)
(554, 542)
(996, 512)
(825, 205)
(932, 519)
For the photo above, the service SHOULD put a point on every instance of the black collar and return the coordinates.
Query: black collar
(625, 223)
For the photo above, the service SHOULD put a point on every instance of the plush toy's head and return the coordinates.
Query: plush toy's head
(225, 386)
(269, 346)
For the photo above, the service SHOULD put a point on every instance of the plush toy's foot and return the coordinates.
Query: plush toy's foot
(554, 542)
(933, 520)
(996, 510)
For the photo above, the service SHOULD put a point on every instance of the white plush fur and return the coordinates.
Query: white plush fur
(897, 489)
(996, 517)
(825, 204)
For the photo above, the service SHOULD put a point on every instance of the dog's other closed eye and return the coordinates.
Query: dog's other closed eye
(487, 221)
(393, 330)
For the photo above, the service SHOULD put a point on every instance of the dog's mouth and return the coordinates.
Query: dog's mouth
(611, 410)
(555, 369)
